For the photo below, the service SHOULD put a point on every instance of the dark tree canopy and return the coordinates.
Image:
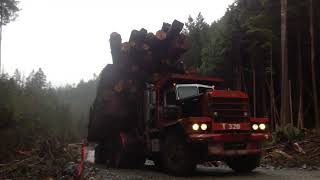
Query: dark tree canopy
(8, 11)
(197, 31)
(244, 47)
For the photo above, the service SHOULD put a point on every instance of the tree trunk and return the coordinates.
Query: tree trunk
(300, 112)
(313, 74)
(0, 46)
(272, 119)
(290, 103)
(284, 116)
(254, 90)
(1, 20)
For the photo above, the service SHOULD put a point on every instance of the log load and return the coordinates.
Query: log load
(119, 99)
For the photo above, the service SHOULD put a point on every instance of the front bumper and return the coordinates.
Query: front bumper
(227, 145)
(229, 137)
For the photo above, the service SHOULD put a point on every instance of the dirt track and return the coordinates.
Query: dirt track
(210, 173)
(204, 173)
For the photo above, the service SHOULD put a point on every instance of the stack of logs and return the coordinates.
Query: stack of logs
(144, 58)
(159, 53)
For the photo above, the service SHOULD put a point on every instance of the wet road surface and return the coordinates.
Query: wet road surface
(204, 173)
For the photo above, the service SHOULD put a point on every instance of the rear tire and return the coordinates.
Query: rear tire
(100, 154)
(177, 156)
(129, 155)
(244, 164)
(158, 163)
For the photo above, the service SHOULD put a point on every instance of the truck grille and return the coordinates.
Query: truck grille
(229, 109)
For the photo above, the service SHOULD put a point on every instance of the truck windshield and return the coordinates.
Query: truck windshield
(190, 90)
(187, 91)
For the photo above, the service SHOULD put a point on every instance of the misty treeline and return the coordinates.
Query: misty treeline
(244, 47)
(31, 107)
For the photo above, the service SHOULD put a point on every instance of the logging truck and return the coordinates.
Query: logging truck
(178, 121)
(148, 106)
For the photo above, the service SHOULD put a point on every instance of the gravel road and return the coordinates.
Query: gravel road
(204, 173)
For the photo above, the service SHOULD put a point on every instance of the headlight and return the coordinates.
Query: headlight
(195, 127)
(262, 126)
(245, 114)
(255, 127)
(204, 127)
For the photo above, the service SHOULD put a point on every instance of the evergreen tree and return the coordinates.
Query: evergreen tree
(8, 13)
(198, 37)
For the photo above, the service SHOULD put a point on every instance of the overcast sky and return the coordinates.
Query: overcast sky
(69, 39)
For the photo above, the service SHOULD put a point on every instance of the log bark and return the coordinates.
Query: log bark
(137, 37)
(115, 45)
(175, 28)
(166, 27)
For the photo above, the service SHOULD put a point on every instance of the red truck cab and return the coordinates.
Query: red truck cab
(190, 120)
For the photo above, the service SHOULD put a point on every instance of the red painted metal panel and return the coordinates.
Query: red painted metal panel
(200, 119)
(259, 136)
(234, 152)
(231, 126)
(259, 120)
(228, 94)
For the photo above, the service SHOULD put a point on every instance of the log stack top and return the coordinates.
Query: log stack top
(150, 53)
(145, 56)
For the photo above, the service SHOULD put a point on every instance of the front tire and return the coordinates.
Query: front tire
(244, 164)
(177, 156)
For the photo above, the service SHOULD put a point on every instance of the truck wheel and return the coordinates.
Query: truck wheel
(127, 160)
(117, 158)
(137, 161)
(127, 155)
(100, 154)
(177, 156)
(243, 164)
(158, 162)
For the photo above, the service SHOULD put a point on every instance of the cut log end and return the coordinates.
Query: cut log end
(161, 35)
(165, 27)
(115, 38)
